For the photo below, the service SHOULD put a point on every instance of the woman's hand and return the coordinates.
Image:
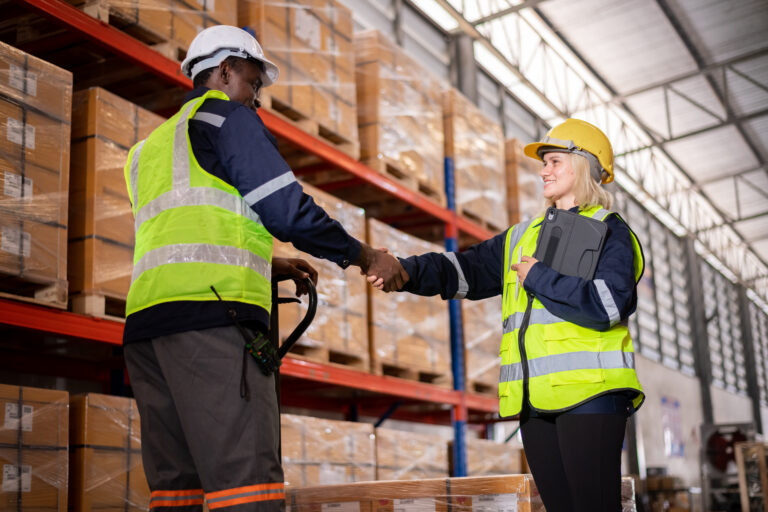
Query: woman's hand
(296, 269)
(523, 268)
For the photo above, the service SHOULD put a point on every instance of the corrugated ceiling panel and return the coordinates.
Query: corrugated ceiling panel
(693, 105)
(754, 229)
(624, 43)
(758, 131)
(720, 152)
(745, 95)
(761, 248)
(725, 28)
(649, 107)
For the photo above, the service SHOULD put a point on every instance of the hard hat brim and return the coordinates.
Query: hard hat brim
(271, 73)
(532, 149)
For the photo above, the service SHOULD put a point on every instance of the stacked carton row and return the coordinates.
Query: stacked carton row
(35, 110)
(525, 187)
(481, 324)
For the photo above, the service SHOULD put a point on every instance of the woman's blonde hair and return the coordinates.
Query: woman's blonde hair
(586, 190)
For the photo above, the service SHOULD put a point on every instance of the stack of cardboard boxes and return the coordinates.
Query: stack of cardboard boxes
(322, 452)
(481, 327)
(525, 187)
(101, 232)
(400, 114)
(35, 110)
(339, 332)
(486, 457)
(476, 145)
(409, 333)
(106, 470)
(311, 42)
(34, 438)
(404, 455)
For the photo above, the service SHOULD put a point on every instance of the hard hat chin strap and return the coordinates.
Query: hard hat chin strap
(567, 146)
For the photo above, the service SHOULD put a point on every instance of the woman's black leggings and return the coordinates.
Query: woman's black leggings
(575, 460)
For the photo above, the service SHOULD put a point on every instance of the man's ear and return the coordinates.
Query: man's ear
(225, 71)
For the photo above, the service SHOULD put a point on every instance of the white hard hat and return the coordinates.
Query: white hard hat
(214, 44)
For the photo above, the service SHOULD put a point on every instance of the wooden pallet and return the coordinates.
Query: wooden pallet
(170, 50)
(43, 293)
(300, 158)
(98, 305)
(327, 356)
(392, 169)
(490, 225)
(122, 17)
(482, 388)
(443, 380)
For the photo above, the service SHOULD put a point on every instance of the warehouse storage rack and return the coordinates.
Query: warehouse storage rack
(306, 384)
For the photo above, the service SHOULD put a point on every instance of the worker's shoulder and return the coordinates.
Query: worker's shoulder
(230, 110)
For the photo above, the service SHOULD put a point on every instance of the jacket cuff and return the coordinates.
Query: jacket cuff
(353, 253)
(537, 272)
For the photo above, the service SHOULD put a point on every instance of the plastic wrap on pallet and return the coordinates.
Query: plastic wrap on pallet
(317, 451)
(35, 109)
(404, 455)
(628, 503)
(525, 188)
(486, 458)
(106, 470)
(471, 494)
(476, 145)
(34, 440)
(409, 333)
(339, 332)
(311, 42)
(399, 112)
(101, 231)
(482, 335)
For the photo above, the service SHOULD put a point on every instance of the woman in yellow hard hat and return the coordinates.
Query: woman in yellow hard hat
(567, 361)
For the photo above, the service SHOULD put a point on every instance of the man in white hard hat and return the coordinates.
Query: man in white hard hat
(209, 190)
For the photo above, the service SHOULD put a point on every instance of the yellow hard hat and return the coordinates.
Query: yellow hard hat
(582, 138)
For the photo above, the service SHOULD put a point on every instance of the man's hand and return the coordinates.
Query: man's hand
(384, 271)
(296, 269)
(523, 268)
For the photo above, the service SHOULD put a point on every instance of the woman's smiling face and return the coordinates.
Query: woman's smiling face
(558, 175)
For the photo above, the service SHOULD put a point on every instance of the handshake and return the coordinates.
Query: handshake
(383, 270)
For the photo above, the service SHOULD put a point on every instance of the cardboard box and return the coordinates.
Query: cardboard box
(34, 434)
(105, 467)
(101, 234)
(409, 456)
(408, 331)
(402, 101)
(476, 145)
(486, 457)
(321, 452)
(525, 187)
(482, 339)
(507, 492)
(340, 325)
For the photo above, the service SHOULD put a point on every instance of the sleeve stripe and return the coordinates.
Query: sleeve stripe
(608, 303)
(463, 285)
(270, 187)
(206, 117)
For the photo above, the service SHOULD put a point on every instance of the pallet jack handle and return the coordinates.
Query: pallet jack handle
(305, 322)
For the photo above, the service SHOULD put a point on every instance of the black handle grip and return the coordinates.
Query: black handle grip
(305, 322)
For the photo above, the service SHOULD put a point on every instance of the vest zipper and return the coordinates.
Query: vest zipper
(521, 344)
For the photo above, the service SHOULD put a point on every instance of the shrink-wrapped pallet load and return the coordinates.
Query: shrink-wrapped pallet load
(318, 451)
(409, 333)
(476, 145)
(311, 42)
(339, 332)
(399, 114)
(106, 470)
(482, 337)
(34, 438)
(35, 110)
(404, 455)
(525, 187)
(486, 457)
(473, 494)
(101, 228)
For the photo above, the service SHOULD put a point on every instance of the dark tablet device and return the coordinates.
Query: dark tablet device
(570, 243)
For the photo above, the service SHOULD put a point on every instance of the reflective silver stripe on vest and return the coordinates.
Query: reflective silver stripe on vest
(196, 196)
(270, 187)
(206, 117)
(181, 151)
(601, 214)
(202, 253)
(463, 286)
(546, 365)
(608, 303)
(135, 174)
(539, 316)
(515, 237)
(277, 492)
